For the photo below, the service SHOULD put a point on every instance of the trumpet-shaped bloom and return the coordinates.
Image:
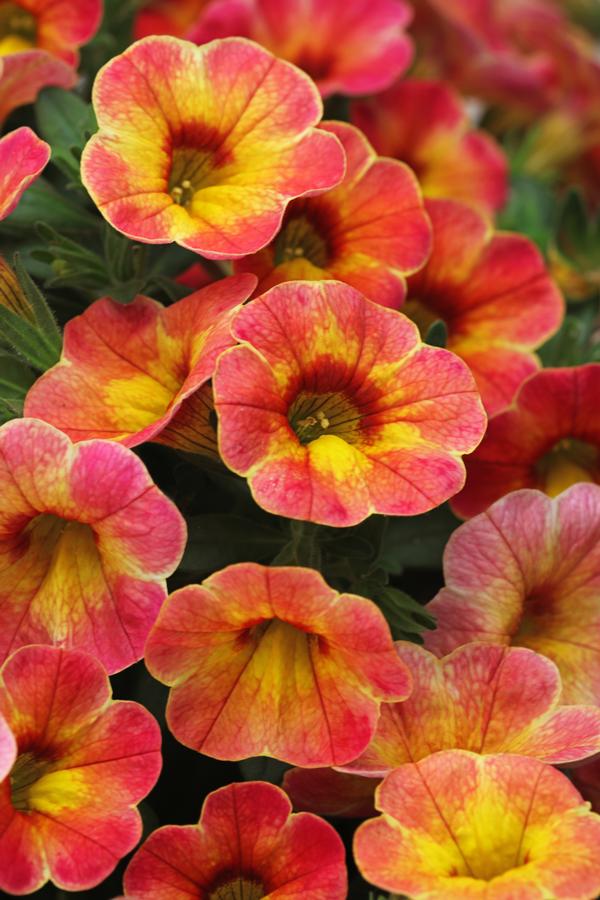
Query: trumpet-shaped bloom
(482, 697)
(346, 46)
(424, 124)
(23, 156)
(86, 543)
(370, 231)
(273, 662)
(247, 845)
(549, 438)
(493, 292)
(67, 806)
(23, 75)
(527, 572)
(328, 792)
(205, 146)
(333, 409)
(58, 26)
(174, 17)
(459, 826)
(127, 371)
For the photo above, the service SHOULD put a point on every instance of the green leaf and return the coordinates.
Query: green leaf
(42, 312)
(15, 380)
(405, 616)
(15, 377)
(216, 540)
(417, 542)
(41, 202)
(66, 122)
(437, 334)
(33, 345)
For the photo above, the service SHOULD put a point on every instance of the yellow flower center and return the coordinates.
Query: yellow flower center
(27, 770)
(196, 164)
(314, 415)
(300, 239)
(568, 462)
(18, 29)
(239, 889)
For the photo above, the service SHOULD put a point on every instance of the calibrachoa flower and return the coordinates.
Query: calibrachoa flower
(473, 45)
(247, 845)
(167, 17)
(67, 806)
(458, 825)
(482, 697)
(328, 792)
(205, 146)
(493, 292)
(549, 438)
(346, 46)
(370, 231)
(86, 542)
(58, 26)
(23, 156)
(526, 572)
(127, 371)
(424, 124)
(333, 409)
(273, 662)
(23, 75)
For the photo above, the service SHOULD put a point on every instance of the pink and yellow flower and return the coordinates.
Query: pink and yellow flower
(273, 662)
(67, 806)
(328, 792)
(487, 698)
(527, 572)
(23, 75)
(424, 124)
(459, 826)
(494, 294)
(212, 162)
(371, 231)
(59, 27)
(333, 409)
(128, 372)
(23, 156)
(247, 844)
(86, 543)
(346, 46)
(549, 439)
(174, 17)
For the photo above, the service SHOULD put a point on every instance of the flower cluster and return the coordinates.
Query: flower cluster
(282, 309)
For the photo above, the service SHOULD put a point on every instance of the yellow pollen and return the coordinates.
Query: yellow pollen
(323, 420)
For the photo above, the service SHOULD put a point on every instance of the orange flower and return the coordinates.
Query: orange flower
(333, 409)
(213, 164)
(273, 662)
(450, 158)
(459, 826)
(549, 438)
(526, 572)
(67, 805)
(370, 231)
(246, 845)
(494, 294)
